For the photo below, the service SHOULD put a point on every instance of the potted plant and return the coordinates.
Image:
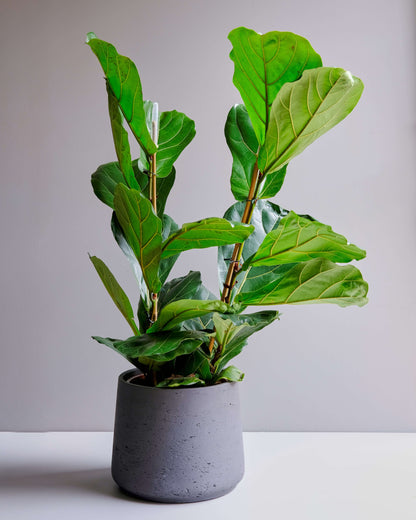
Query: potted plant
(177, 432)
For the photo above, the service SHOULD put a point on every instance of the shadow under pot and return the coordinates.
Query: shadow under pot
(177, 444)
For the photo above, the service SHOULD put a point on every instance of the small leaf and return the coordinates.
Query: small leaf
(160, 347)
(166, 264)
(177, 381)
(117, 294)
(205, 233)
(231, 373)
(315, 281)
(298, 239)
(272, 183)
(305, 110)
(265, 62)
(176, 312)
(163, 187)
(142, 230)
(124, 81)
(181, 288)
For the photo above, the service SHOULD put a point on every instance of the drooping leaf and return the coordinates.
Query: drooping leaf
(166, 264)
(305, 110)
(177, 381)
(121, 141)
(205, 233)
(315, 281)
(181, 288)
(176, 131)
(298, 239)
(159, 347)
(124, 81)
(117, 294)
(105, 179)
(142, 230)
(174, 313)
(265, 62)
(266, 216)
(231, 373)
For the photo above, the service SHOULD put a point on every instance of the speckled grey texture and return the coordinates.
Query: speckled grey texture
(177, 445)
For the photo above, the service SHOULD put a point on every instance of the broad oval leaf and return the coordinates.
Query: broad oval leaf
(174, 313)
(183, 288)
(298, 239)
(204, 233)
(305, 110)
(124, 81)
(159, 347)
(117, 294)
(142, 230)
(315, 281)
(262, 64)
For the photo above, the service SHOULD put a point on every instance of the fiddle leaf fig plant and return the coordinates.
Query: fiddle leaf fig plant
(183, 334)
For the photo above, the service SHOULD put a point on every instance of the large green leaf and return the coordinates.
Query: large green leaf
(174, 313)
(298, 239)
(266, 216)
(205, 233)
(306, 109)
(159, 347)
(183, 288)
(117, 294)
(205, 321)
(166, 264)
(124, 81)
(244, 148)
(105, 179)
(315, 281)
(176, 131)
(262, 64)
(121, 141)
(142, 230)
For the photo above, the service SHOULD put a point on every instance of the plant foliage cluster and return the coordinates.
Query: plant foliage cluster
(182, 333)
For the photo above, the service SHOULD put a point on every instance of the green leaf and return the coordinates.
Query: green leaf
(266, 216)
(231, 373)
(124, 81)
(315, 281)
(244, 148)
(163, 187)
(117, 294)
(263, 63)
(298, 239)
(142, 229)
(306, 109)
(205, 233)
(183, 288)
(105, 179)
(201, 322)
(166, 264)
(176, 312)
(177, 381)
(176, 131)
(160, 347)
(121, 141)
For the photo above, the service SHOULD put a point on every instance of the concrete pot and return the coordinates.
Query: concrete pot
(177, 445)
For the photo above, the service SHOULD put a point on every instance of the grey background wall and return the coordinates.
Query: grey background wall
(320, 367)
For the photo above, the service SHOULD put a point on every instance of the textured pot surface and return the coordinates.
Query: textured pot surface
(177, 445)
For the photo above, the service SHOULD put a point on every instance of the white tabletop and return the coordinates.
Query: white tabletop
(289, 476)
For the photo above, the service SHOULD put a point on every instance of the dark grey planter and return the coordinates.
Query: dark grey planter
(177, 445)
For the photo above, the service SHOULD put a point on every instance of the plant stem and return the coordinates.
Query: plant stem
(153, 198)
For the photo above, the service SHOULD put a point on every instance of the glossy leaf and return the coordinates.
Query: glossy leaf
(160, 347)
(174, 313)
(177, 381)
(163, 187)
(181, 288)
(314, 281)
(121, 141)
(117, 294)
(176, 131)
(262, 64)
(231, 373)
(205, 233)
(124, 81)
(298, 239)
(142, 230)
(305, 110)
(166, 264)
(272, 183)
(201, 322)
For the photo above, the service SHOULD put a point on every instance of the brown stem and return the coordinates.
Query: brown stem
(153, 198)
